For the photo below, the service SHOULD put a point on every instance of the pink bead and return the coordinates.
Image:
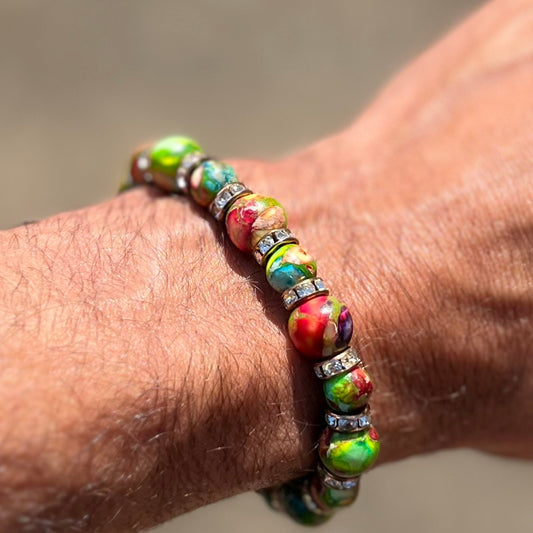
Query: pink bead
(251, 217)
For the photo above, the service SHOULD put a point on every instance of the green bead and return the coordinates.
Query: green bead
(166, 155)
(288, 265)
(348, 454)
(208, 179)
(348, 392)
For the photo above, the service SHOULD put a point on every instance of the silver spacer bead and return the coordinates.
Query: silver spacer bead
(339, 364)
(334, 482)
(271, 241)
(188, 164)
(306, 289)
(225, 197)
(143, 162)
(348, 423)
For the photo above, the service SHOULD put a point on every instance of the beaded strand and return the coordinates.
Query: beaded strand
(319, 325)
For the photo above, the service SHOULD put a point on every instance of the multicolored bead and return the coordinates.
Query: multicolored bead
(288, 265)
(166, 154)
(208, 179)
(251, 217)
(348, 454)
(296, 500)
(348, 392)
(320, 327)
(328, 497)
(165, 157)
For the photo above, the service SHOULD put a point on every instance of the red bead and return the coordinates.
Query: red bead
(321, 327)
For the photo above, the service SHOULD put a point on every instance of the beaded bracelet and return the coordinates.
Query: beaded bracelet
(320, 326)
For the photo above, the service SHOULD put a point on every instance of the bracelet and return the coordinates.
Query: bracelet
(319, 326)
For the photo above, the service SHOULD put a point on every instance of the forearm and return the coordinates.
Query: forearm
(140, 367)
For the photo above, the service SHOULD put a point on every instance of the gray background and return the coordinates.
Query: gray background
(82, 83)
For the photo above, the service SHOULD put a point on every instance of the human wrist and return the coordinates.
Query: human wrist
(439, 270)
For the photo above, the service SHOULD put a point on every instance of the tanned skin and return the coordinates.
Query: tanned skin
(145, 368)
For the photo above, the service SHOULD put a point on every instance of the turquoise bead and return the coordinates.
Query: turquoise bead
(296, 508)
(291, 498)
(289, 265)
(208, 179)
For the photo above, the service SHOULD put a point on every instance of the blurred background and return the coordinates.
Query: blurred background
(83, 83)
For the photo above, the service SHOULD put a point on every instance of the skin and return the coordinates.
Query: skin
(145, 367)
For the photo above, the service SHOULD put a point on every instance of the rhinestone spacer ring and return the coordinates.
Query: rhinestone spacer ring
(306, 289)
(348, 423)
(333, 482)
(225, 197)
(343, 362)
(188, 165)
(271, 241)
